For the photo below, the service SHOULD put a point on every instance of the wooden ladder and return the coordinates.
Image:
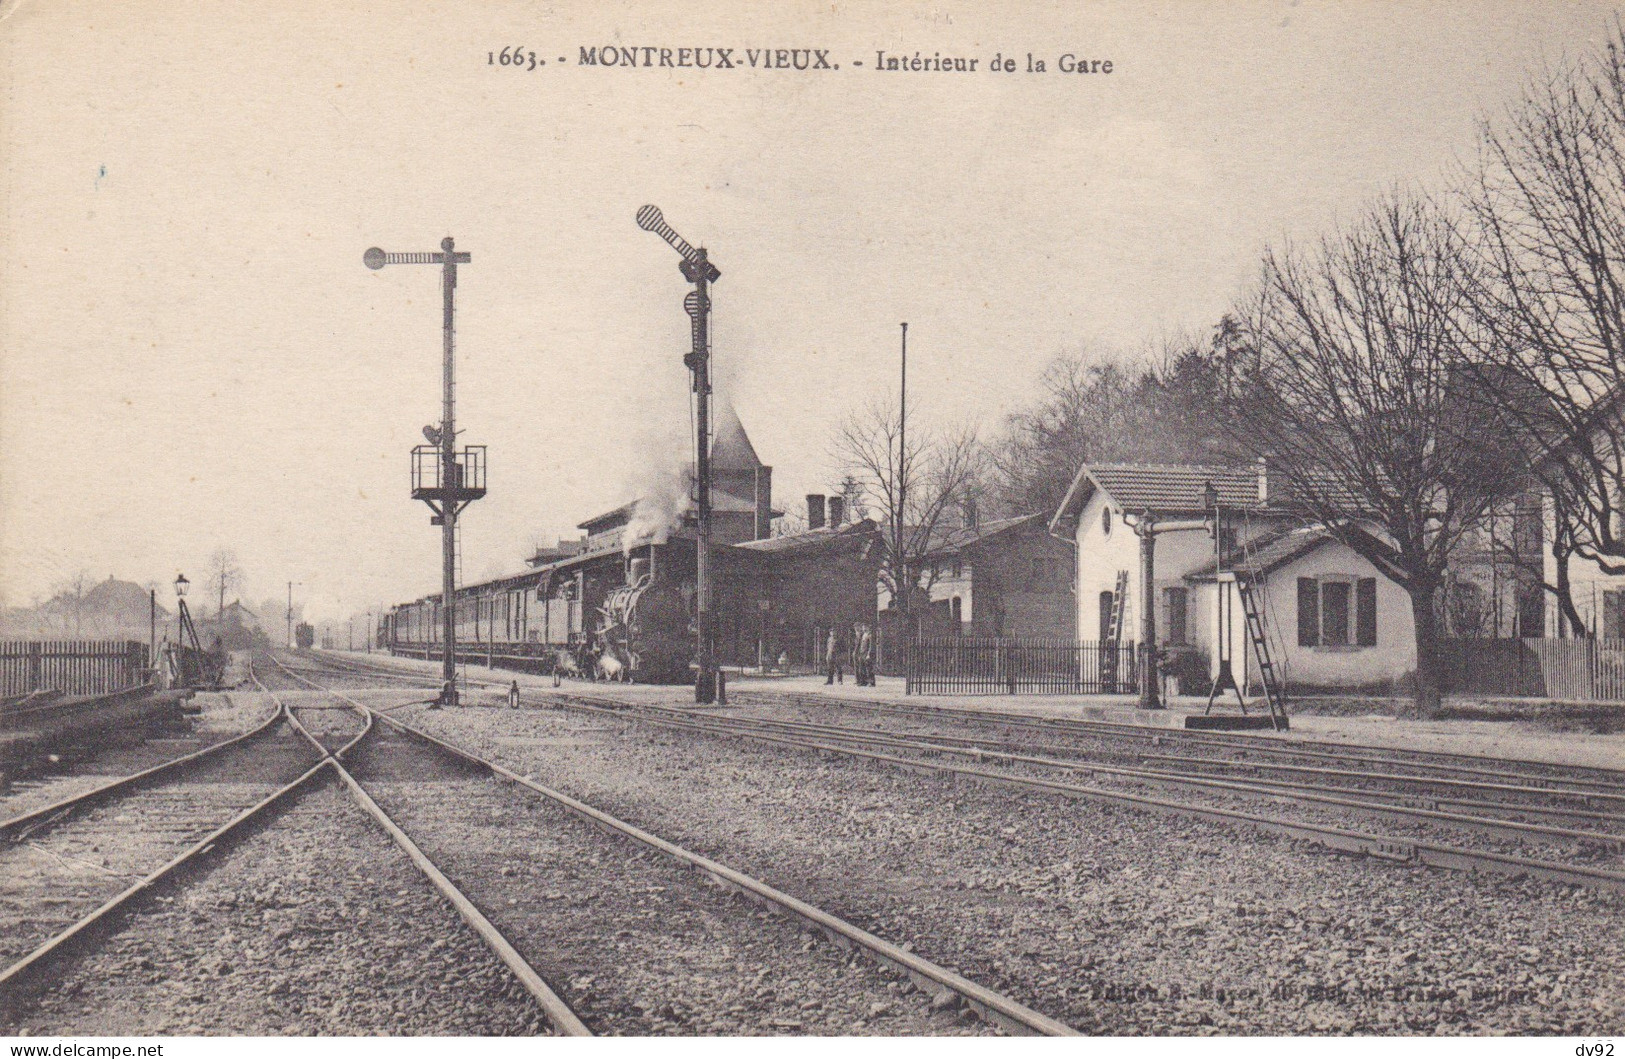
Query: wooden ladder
(1119, 599)
(1274, 696)
(1109, 650)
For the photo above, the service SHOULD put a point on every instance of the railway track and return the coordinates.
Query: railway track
(1416, 847)
(334, 745)
(1265, 751)
(1261, 746)
(419, 778)
(1574, 811)
(179, 812)
(1407, 791)
(74, 867)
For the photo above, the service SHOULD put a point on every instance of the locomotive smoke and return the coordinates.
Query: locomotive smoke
(663, 485)
(660, 509)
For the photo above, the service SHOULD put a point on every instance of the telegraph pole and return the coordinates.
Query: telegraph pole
(445, 479)
(290, 612)
(698, 270)
(905, 583)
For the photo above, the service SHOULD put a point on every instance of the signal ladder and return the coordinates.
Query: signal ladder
(1274, 695)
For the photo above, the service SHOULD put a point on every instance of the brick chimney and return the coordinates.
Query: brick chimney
(1263, 481)
(837, 512)
(764, 503)
(815, 511)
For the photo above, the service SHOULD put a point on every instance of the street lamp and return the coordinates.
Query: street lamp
(188, 668)
(181, 585)
(698, 270)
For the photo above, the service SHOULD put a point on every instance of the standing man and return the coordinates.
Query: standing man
(863, 668)
(833, 672)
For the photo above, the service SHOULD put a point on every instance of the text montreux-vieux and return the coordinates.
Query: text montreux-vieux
(709, 58)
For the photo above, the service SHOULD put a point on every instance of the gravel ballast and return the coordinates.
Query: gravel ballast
(635, 942)
(316, 925)
(1113, 920)
(221, 716)
(61, 871)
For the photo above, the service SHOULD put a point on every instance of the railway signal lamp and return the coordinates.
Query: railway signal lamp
(446, 479)
(697, 268)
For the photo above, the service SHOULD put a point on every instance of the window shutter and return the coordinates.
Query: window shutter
(1613, 615)
(1308, 612)
(1365, 613)
(1174, 604)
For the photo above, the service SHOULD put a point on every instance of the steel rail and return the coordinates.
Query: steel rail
(18, 827)
(558, 1013)
(1261, 743)
(1393, 848)
(1277, 791)
(361, 667)
(1382, 777)
(13, 979)
(1494, 825)
(1083, 754)
(933, 978)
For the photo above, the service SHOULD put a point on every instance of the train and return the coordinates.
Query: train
(620, 601)
(598, 613)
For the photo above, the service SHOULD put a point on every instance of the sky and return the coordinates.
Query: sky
(192, 354)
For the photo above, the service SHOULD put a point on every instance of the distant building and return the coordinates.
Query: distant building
(1006, 577)
(786, 593)
(237, 628)
(107, 610)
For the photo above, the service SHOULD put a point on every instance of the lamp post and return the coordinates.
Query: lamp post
(698, 270)
(181, 585)
(458, 481)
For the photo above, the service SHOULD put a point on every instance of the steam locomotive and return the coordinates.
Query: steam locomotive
(599, 613)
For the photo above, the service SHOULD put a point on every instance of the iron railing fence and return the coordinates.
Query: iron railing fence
(1005, 665)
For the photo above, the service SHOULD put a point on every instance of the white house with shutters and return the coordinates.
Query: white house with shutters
(1332, 620)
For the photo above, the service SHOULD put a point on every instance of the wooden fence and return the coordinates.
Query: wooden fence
(978, 665)
(73, 667)
(1566, 670)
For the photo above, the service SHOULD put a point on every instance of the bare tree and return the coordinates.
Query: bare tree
(224, 576)
(851, 492)
(1162, 406)
(906, 492)
(72, 595)
(1357, 398)
(1549, 201)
